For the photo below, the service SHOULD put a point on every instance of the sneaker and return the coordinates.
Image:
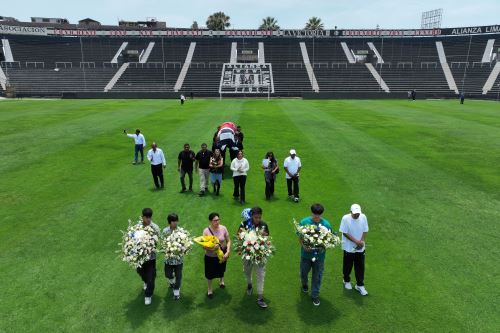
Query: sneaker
(348, 285)
(305, 288)
(144, 286)
(296, 199)
(361, 290)
(147, 300)
(290, 197)
(261, 303)
(202, 193)
(190, 189)
(316, 301)
(183, 190)
(134, 162)
(249, 289)
(177, 297)
(177, 294)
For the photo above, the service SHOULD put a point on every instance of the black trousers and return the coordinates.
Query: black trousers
(358, 260)
(269, 188)
(174, 271)
(148, 276)
(239, 187)
(295, 182)
(157, 171)
(183, 177)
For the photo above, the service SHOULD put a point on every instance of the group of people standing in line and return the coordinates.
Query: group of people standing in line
(209, 164)
(353, 226)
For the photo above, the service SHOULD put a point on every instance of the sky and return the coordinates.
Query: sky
(248, 14)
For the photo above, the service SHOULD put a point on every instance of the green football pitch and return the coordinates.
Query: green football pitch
(426, 174)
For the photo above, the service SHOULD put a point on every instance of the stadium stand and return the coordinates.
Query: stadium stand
(339, 62)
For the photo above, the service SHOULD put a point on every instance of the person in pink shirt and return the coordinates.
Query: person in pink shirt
(213, 268)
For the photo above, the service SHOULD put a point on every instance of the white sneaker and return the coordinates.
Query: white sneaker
(348, 285)
(145, 286)
(147, 300)
(361, 290)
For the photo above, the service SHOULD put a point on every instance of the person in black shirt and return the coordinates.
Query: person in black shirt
(185, 165)
(202, 166)
(255, 222)
(238, 130)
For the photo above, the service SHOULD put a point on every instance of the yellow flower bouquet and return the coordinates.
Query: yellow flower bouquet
(210, 242)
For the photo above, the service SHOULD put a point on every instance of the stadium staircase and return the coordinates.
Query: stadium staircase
(119, 52)
(334, 71)
(261, 55)
(446, 69)
(491, 79)
(3, 79)
(144, 56)
(309, 69)
(488, 51)
(7, 52)
(234, 53)
(185, 67)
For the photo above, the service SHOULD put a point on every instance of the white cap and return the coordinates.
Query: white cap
(356, 209)
(293, 152)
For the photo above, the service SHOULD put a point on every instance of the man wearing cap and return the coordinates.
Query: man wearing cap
(292, 167)
(354, 227)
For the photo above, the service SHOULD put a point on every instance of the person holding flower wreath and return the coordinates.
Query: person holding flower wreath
(173, 267)
(215, 268)
(253, 221)
(147, 271)
(310, 258)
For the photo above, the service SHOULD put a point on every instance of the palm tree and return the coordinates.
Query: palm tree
(218, 21)
(314, 23)
(269, 23)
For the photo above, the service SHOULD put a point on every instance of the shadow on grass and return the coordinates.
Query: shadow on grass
(249, 312)
(173, 309)
(221, 298)
(355, 296)
(137, 313)
(326, 313)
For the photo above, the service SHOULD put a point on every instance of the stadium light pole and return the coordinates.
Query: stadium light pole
(466, 65)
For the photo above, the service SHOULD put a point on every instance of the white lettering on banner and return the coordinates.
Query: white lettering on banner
(476, 30)
(305, 33)
(19, 30)
(389, 33)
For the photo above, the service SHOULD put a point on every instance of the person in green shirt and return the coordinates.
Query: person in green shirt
(313, 258)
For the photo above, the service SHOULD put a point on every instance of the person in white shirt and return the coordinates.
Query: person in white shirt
(147, 271)
(158, 163)
(292, 167)
(182, 99)
(240, 167)
(354, 227)
(140, 143)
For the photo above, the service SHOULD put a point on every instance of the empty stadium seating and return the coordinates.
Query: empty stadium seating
(46, 66)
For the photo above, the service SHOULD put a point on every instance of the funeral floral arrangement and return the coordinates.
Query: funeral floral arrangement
(138, 244)
(176, 244)
(210, 242)
(316, 237)
(254, 246)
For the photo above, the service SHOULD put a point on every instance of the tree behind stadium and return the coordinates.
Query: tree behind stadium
(269, 23)
(218, 21)
(314, 23)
